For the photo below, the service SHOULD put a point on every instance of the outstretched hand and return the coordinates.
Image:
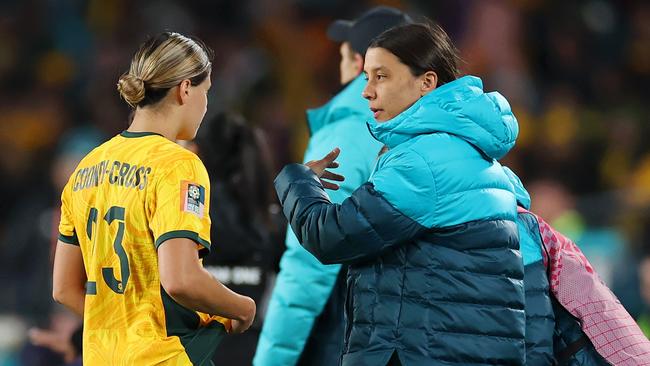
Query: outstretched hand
(319, 167)
(57, 341)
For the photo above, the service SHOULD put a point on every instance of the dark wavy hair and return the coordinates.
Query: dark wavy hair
(238, 156)
(422, 47)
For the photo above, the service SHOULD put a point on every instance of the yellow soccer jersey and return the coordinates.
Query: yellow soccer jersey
(125, 199)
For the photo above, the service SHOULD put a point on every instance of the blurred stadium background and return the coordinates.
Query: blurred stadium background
(575, 72)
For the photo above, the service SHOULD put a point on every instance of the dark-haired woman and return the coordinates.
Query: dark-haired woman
(435, 276)
(247, 227)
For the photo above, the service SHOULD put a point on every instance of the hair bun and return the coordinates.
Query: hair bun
(131, 88)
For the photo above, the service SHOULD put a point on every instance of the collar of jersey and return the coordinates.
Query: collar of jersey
(130, 134)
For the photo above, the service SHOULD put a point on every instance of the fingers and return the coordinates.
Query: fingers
(319, 166)
(43, 337)
(228, 325)
(239, 327)
(332, 176)
(234, 327)
(332, 155)
(328, 185)
(328, 160)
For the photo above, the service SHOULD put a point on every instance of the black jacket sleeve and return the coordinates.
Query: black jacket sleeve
(361, 227)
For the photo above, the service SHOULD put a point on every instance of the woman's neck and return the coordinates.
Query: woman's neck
(155, 120)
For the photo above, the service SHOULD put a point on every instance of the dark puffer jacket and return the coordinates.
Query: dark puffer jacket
(435, 271)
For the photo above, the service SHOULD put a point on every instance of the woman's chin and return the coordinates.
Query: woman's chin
(382, 118)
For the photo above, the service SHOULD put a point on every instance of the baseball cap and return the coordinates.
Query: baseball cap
(361, 31)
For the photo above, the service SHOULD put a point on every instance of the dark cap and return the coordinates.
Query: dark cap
(361, 31)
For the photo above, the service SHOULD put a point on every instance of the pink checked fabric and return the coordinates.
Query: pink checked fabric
(579, 289)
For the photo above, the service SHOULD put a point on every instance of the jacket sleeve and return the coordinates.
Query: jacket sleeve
(304, 285)
(361, 227)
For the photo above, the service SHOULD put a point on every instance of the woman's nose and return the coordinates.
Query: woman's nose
(368, 92)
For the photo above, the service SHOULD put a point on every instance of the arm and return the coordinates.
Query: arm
(180, 223)
(69, 277)
(186, 281)
(361, 227)
(304, 285)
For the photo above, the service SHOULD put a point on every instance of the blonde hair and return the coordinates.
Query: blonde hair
(161, 63)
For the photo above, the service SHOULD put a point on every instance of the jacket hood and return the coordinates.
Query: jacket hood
(347, 102)
(459, 108)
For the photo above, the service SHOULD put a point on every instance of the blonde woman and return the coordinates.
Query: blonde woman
(135, 223)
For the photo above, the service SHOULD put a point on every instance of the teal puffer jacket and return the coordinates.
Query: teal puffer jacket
(435, 274)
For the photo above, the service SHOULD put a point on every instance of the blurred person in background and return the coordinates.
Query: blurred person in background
(305, 318)
(27, 257)
(435, 275)
(572, 318)
(603, 245)
(135, 223)
(61, 344)
(247, 226)
(26, 253)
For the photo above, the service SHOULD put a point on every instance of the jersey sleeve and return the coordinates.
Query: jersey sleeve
(67, 232)
(182, 197)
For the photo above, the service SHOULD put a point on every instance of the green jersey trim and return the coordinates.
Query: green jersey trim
(185, 234)
(129, 134)
(199, 342)
(69, 239)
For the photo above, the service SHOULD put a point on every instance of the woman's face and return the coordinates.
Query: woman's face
(197, 105)
(391, 87)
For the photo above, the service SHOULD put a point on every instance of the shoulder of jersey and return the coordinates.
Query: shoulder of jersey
(165, 154)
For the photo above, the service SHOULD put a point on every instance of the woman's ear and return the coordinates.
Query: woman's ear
(358, 63)
(183, 91)
(429, 82)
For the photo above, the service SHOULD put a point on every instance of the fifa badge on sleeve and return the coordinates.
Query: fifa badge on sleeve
(192, 198)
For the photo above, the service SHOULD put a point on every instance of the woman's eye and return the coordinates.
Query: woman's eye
(379, 77)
